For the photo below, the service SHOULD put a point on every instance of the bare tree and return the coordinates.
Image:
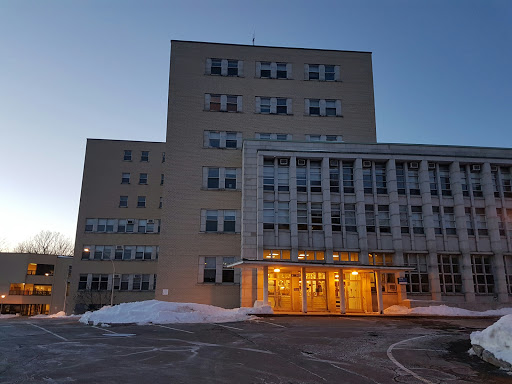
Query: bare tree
(47, 243)
(3, 245)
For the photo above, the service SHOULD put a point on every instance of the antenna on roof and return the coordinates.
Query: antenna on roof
(253, 37)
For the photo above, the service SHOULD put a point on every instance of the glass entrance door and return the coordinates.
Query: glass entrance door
(279, 290)
(316, 291)
(353, 292)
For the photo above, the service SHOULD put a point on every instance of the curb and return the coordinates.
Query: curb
(489, 357)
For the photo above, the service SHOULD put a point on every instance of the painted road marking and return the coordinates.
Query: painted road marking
(114, 334)
(227, 326)
(174, 329)
(390, 356)
(268, 322)
(54, 334)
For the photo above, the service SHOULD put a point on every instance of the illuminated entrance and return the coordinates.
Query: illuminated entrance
(279, 291)
(316, 291)
(353, 292)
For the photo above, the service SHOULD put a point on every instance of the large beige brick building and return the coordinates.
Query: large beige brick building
(276, 190)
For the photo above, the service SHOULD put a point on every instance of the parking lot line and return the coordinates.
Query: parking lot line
(227, 326)
(268, 322)
(54, 334)
(174, 329)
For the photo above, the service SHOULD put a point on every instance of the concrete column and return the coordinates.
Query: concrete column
(259, 204)
(343, 305)
(494, 234)
(265, 285)
(428, 225)
(326, 210)
(360, 211)
(394, 212)
(378, 287)
(294, 233)
(462, 232)
(304, 290)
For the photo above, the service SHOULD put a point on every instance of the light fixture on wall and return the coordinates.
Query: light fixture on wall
(277, 270)
(355, 273)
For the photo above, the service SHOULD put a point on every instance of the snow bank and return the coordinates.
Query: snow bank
(7, 316)
(443, 310)
(496, 338)
(163, 312)
(55, 315)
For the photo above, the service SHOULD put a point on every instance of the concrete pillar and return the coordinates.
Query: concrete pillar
(265, 285)
(378, 287)
(462, 232)
(360, 211)
(343, 305)
(294, 233)
(304, 290)
(428, 225)
(326, 210)
(494, 234)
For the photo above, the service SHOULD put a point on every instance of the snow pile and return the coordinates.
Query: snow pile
(7, 316)
(163, 312)
(443, 310)
(496, 339)
(58, 314)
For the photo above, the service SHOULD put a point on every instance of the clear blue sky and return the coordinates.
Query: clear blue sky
(77, 69)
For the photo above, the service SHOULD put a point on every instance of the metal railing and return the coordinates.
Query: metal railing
(30, 292)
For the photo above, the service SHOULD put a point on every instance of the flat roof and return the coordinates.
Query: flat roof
(289, 263)
(268, 46)
(127, 141)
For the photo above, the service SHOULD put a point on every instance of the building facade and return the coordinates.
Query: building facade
(118, 229)
(277, 191)
(33, 284)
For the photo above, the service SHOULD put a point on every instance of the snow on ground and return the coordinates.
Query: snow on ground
(7, 316)
(163, 312)
(55, 315)
(496, 338)
(443, 310)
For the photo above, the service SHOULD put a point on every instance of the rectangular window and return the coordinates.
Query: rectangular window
(464, 180)
(350, 218)
(501, 221)
(142, 226)
(368, 180)
(336, 217)
(417, 280)
(281, 108)
(469, 222)
(316, 216)
(311, 255)
(216, 67)
(334, 176)
(89, 225)
(214, 139)
(301, 173)
(330, 73)
(476, 183)
(144, 156)
(228, 273)
(265, 105)
(161, 179)
(110, 225)
(400, 178)
(268, 215)
(143, 178)
(330, 107)
(383, 216)
(82, 282)
(229, 221)
(506, 181)
(436, 213)
(125, 280)
(139, 252)
(123, 201)
(95, 282)
(268, 174)
(283, 254)
(508, 272)
(214, 102)
(385, 259)
(137, 279)
(265, 71)
(343, 257)
(314, 72)
(370, 217)
(449, 273)
(232, 105)
(449, 220)
(404, 218)
(98, 252)
(282, 73)
(230, 178)
(417, 219)
(127, 252)
(127, 155)
(413, 181)
(145, 283)
(211, 221)
(432, 175)
(302, 216)
(348, 177)
(141, 202)
(315, 176)
(121, 226)
(380, 178)
(283, 178)
(231, 140)
(102, 225)
(444, 178)
(210, 269)
(148, 251)
(314, 107)
(481, 222)
(86, 252)
(483, 278)
(232, 67)
(213, 178)
(125, 178)
(283, 214)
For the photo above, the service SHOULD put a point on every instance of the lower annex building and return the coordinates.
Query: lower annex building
(276, 190)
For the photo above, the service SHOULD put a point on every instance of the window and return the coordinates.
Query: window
(282, 108)
(98, 252)
(314, 137)
(348, 177)
(483, 278)
(214, 102)
(417, 220)
(211, 221)
(506, 181)
(224, 67)
(283, 254)
(210, 269)
(230, 178)
(380, 178)
(417, 280)
(127, 252)
(383, 216)
(322, 107)
(213, 177)
(315, 176)
(232, 67)
(436, 218)
(136, 282)
(508, 271)
(268, 174)
(125, 280)
(444, 178)
(89, 225)
(449, 220)
(368, 180)
(142, 226)
(404, 218)
(141, 202)
(86, 252)
(281, 71)
(314, 107)
(469, 221)
(273, 105)
(110, 225)
(350, 218)
(102, 225)
(336, 217)
(322, 72)
(229, 221)
(127, 155)
(413, 181)
(125, 178)
(501, 221)
(334, 176)
(302, 216)
(283, 214)
(432, 175)
(464, 180)
(161, 179)
(481, 222)
(268, 215)
(316, 216)
(450, 276)
(231, 140)
(265, 71)
(123, 201)
(231, 103)
(380, 259)
(400, 178)
(311, 255)
(216, 67)
(476, 183)
(222, 103)
(264, 105)
(143, 178)
(228, 273)
(144, 156)
(370, 217)
(82, 282)
(283, 178)
(214, 139)
(343, 257)
(145, 283)
(301, 174)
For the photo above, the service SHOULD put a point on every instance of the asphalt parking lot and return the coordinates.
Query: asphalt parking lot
(268, 350)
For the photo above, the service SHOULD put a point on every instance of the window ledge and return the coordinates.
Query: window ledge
(323, 115)
(218, 284)
(221, 189)
(220, 233)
